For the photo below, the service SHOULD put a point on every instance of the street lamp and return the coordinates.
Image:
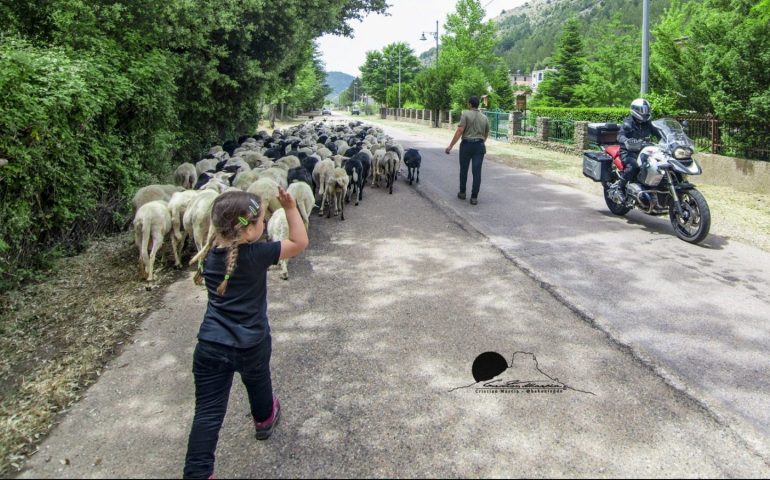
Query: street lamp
(435, 36)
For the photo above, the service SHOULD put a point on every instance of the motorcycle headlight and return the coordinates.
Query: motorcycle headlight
(682, 153)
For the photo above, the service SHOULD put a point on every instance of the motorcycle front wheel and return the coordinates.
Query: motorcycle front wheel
(616, 208)
(694, 223)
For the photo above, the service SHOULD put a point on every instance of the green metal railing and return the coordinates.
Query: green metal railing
(498, 124)
(562, 131)
(528, 125)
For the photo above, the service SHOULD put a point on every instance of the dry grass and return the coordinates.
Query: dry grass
(56, 336)
(742, 215)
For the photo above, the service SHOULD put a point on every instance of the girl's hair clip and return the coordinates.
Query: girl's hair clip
(254, 207)
(243, 221)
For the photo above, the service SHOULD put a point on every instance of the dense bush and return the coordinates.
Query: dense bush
(102, 97)
(78, 135)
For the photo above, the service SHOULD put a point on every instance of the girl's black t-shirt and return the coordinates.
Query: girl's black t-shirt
(239, 317)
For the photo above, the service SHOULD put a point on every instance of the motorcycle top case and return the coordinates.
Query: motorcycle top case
(603, 133)
(597, 165)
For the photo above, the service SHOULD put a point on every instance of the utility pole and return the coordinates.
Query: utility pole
(399, 76)
(645, 45)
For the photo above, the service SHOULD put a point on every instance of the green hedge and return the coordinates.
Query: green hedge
(80, 133)
(581, 114)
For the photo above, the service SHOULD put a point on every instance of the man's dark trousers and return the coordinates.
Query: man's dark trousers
(471, 152)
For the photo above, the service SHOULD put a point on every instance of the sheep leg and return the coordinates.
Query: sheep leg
(342, 210)
(323, 204)
(284, 269)
(418, 174)
(157, 242)
(391, 179)
(143, 257)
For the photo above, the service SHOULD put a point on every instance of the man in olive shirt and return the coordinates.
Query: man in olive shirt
(474, 130)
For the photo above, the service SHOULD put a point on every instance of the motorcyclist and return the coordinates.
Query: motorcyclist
(634, 134)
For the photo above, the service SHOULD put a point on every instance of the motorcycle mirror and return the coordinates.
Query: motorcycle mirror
(685, 124)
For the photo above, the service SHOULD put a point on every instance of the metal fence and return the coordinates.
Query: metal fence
(732, 139)
(528, 126)
(562, 131)
(498, 124)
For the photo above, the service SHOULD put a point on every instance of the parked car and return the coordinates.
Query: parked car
(355, 111)
(326, 111)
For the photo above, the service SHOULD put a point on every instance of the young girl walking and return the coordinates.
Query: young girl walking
(235, 334)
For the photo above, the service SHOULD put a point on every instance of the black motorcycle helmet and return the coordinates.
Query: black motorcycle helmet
(641, 110)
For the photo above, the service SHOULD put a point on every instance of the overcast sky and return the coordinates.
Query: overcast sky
(406, 22)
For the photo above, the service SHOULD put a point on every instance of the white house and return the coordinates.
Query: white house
(538, 75)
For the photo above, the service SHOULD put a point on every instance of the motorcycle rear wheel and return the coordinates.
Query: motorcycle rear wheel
(694, 223)
(616, 208)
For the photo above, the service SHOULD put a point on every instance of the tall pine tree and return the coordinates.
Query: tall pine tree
(558, 88)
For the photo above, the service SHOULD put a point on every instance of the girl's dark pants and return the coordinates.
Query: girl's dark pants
(471, 152)
(213, 368)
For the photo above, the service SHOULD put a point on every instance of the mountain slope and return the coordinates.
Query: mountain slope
(527, 34)
(338, 81)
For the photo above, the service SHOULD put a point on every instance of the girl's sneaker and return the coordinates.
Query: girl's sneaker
(265, 429)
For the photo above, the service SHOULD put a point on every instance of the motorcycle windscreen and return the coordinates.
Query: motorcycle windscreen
(672, 134)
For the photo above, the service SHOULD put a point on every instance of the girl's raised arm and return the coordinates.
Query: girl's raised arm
(297, 241)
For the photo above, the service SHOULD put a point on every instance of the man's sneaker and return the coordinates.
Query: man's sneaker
(265, 429)
(474, 201)
(461, 195)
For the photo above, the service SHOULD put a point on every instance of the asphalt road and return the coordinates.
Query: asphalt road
(699, 315)
(376, 329)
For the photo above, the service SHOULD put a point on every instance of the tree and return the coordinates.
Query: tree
(471, 81)
(612, 73)
(469, 41)
(380, 70)
(432, 88)
(558, 88)
(503, 92)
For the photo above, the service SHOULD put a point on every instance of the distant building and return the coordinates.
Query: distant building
(521, 79)
(538, 75)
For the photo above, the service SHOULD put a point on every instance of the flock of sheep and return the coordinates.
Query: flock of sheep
(325, 161)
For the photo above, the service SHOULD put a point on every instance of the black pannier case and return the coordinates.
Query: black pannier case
(603, 133)
(596, 166)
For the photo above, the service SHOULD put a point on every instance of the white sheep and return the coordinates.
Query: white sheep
(205, 165)
(267, 190)
(321, 172)
(388, 168)
(303, 194)
(324, 153)
(278, 230)
(185, 175)
(151, 193)
(197, 217)
(288, 162)
(277, 174)
(243, 180)
(151, 222)
(177, 206)
(334, 194)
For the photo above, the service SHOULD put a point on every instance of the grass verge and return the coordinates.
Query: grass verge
(57, 335)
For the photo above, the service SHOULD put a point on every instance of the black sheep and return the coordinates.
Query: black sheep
(274, 153)
(230, 146)
(366, 166)
(300, 174)
(412, 159)
(355, 171)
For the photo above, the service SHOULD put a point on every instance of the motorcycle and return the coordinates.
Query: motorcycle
(662, 186)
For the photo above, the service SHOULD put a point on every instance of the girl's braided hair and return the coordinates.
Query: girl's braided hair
(231, 213)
